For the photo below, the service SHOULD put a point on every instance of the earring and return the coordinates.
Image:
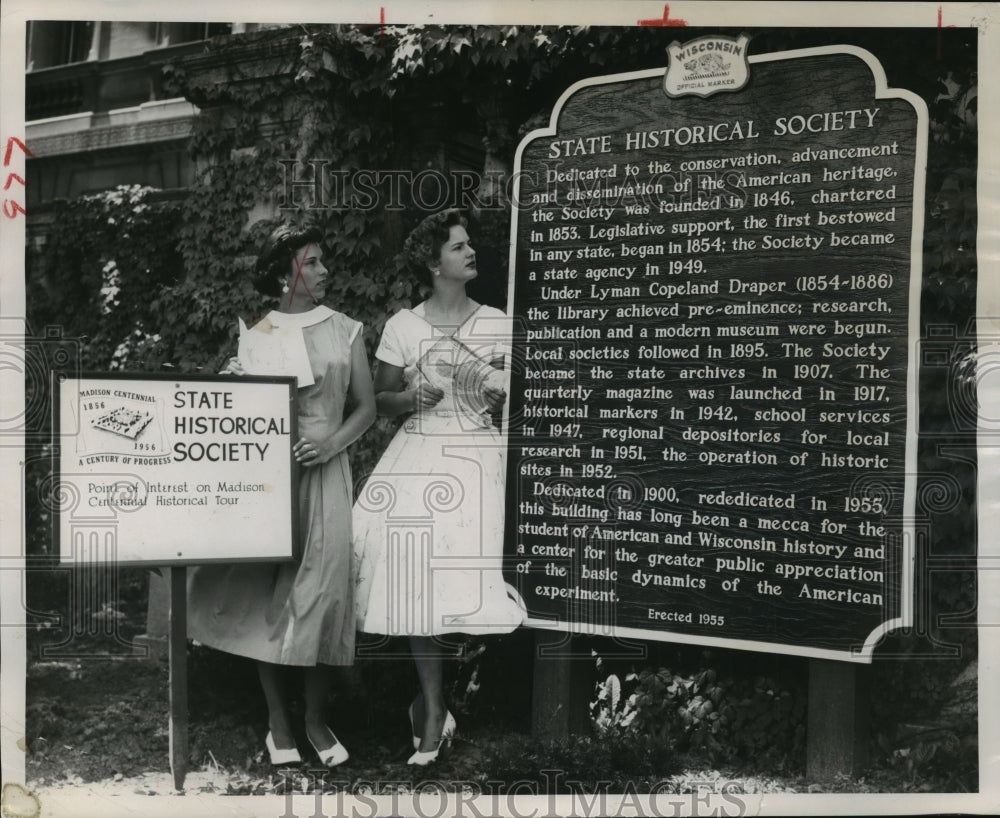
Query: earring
(284, 286)
(437, 272)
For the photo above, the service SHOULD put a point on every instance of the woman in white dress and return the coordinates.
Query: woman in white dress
(299, 614)
(428, 524)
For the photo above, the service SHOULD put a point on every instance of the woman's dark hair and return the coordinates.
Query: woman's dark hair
(276, 254)
(423, 246)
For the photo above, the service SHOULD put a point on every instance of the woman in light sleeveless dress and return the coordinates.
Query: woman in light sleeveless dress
(429, 521)
(300, 614)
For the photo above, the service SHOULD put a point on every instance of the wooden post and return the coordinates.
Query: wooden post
(157, 634)
(838, 730)
(562, 686)
(177, 652)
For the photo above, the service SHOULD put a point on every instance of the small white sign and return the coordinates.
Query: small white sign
(169, 471)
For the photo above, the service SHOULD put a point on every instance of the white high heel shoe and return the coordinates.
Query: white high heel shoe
(331, 756)
(279, 757)
(425, 757)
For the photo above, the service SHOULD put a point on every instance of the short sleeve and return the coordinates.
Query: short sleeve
(344, 323)
(390, 346)
(494, 325)
(356, 327)
(502, 347)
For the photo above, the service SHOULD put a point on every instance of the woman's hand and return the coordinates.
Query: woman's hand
(494, 399)
(426, 396)
(309, 453)
(234, 367)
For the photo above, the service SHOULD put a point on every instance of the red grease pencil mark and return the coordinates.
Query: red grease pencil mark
(298, 275)
(10, 147)
(12, 208)
(940, 26)
(665, 21)
(381, 21)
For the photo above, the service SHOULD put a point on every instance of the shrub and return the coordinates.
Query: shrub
(725, 718)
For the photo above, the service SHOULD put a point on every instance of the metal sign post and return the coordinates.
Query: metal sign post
(177, 657)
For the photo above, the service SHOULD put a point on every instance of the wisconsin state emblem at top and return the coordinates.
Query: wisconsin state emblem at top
(707, 65)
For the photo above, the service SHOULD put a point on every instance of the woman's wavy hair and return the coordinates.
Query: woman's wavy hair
(276, 254)
(423, 246)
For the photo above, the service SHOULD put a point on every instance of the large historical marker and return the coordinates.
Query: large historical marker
(715, 269)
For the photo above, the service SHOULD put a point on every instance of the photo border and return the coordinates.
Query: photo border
(982, 16)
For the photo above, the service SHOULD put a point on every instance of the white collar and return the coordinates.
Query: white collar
(299, 319)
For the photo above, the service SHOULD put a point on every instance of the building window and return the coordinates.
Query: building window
(58, 42)
(176, 33)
